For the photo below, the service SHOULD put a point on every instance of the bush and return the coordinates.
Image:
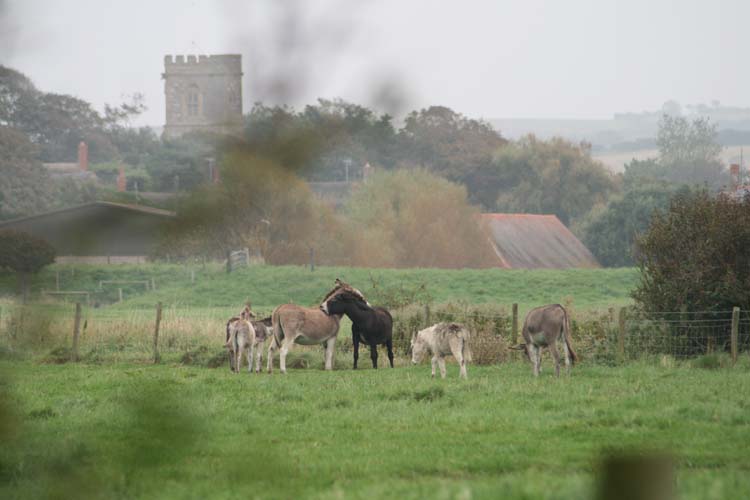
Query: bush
(695, 256)
(24, 254)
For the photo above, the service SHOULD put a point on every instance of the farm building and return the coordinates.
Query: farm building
(530, 241)
(97, 232)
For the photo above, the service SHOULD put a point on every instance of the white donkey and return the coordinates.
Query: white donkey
(441, 340)
(242, 339)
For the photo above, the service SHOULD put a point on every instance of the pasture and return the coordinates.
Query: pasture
(171, 431)
(268, 286)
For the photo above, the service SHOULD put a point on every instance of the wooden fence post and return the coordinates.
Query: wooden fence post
(427, 315)
(621, 335)
(192, 276)
(153, 284)
(157, 356)
(735, 332)
(229, 261)
(76, 333)
(514, 326)
(119, 295)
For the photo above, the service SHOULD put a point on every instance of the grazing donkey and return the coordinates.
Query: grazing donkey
(242, 340)
(307, 326)
(442, 339)
(370, 325)
(543, 327)
(245, 314)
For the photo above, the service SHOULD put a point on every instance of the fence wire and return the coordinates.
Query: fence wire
(116, 334)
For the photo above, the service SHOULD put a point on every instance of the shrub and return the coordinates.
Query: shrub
(695, 255)
(24, 254)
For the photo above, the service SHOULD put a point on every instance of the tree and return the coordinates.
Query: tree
(322, 141)
(694, 255)
(24, 184)
(448, 144)
(415, 219)
(689, 151)
(610, 233)
(259, 205)
(24, 254)
(548, 177)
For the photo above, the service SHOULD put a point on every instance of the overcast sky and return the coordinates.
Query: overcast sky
(489, 59)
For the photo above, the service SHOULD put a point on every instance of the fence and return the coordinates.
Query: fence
(605, 337)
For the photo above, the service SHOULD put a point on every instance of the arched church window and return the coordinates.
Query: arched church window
(193, 101)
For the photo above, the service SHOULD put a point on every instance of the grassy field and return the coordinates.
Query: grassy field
(268, 286)
(170, 431)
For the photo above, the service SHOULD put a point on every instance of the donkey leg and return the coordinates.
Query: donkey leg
(556, 356)
(434, 364)
(456, 351)
(238, 359)
(250, 357)
(374, 355)
(441, 364)
(271, 348)
(389, 346)
(536, 358)
(355, 344)
(330, 345)
(286, 344)
(259, 355)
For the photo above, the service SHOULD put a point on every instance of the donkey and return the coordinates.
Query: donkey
(245, 314)
(543, 327)
(442, 339)
(307, 326)
(370, 325)
(242, 340)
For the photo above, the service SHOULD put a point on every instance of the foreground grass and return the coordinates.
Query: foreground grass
(169, 431)
(268, 286)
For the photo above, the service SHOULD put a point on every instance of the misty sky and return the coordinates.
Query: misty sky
(489, 59)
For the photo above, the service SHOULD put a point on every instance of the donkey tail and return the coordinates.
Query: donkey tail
(278, 330)
(465, 347)
(566, 333)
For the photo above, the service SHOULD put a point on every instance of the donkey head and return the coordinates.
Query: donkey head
(341, 288)
(246, 313)
(417, 348)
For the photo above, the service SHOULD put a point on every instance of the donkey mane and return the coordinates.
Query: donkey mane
(340, 285)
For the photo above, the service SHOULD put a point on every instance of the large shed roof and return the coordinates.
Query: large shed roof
(531, 241)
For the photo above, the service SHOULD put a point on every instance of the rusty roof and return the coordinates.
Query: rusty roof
(532, 241)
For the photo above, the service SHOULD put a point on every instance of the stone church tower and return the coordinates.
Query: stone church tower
(203, 93)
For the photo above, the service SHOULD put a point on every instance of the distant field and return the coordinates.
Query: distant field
(174, 432)
(268, 286)
(616, 161)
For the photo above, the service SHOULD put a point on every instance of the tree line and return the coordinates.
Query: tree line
(331, 140)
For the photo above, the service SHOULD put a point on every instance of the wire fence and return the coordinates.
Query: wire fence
(111, 334)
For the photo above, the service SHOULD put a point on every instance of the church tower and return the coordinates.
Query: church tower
(203, 93)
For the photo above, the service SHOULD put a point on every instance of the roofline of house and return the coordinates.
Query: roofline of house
(135, 208)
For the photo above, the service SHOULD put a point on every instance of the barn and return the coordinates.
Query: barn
(98, 232)
(531, 241)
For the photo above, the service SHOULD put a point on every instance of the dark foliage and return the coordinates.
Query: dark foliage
(695, 255)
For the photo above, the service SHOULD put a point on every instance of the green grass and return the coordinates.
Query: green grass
(268, 286)
(170, 431)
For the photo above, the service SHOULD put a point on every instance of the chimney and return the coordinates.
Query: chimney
(121, 183)
(83, 157)
(734, 175)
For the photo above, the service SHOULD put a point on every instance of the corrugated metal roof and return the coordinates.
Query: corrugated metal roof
(531, 241)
